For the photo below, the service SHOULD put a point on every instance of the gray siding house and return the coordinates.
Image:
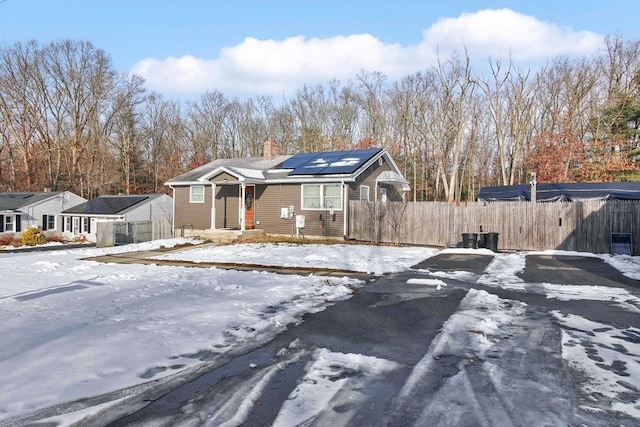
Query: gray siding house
(307, 193)
(19, 211)
(81, 219)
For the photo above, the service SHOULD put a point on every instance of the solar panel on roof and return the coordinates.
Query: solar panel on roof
(297, 160)
(107, 205)
(334, 162)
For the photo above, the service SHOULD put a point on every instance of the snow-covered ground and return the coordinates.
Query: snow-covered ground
(363, 258)
(72, 328)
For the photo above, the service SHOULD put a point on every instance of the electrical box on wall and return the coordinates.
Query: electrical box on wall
(284, 213)
(299, 221)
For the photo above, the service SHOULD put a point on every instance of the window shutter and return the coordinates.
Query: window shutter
(88, 225)
(44, 222)
(1, 223)
(18, 224)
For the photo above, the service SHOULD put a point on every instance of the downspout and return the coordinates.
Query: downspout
(173, 211)
(345, 219)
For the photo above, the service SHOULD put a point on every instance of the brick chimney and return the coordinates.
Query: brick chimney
(270, 149)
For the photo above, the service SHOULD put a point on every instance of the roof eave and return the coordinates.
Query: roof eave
(91, 215)
(220, 169)
(304, 179)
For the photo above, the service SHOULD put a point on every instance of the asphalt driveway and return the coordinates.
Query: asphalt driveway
(528, 384)
(436, 344)
(577, 270)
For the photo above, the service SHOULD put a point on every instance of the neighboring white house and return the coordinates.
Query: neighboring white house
(81, 220)
(19, 211)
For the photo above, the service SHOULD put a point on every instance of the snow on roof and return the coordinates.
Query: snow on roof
(249, 173)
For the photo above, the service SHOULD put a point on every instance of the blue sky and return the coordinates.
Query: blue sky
(183, 48)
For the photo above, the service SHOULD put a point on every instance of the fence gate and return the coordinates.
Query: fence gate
(622, 232)
(132, 232)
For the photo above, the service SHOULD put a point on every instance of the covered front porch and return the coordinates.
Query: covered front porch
(233, 206)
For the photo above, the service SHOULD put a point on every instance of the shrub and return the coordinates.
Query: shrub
(7, 239)
(81, 238)
(54, 236)
(33, 236)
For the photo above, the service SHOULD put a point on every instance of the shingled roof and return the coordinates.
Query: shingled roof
(254, 164)
(292, 168)
(110, 205)
(17, 201)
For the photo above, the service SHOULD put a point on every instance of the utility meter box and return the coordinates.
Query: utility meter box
(284, 213)
(299, 221)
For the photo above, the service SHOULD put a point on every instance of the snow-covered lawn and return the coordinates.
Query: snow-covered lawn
(362, 258)
(72, 328)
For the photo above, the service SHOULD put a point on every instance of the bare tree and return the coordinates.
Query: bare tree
(509, 104)
(57, 102)
(408, 142)
(282, 128)
(69, 121)
(311, 120)
(370, 97)
(205, 121)
(126, 139)
(342, 115)
(164, 140)
(21, 113)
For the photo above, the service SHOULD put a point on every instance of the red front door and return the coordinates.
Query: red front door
(249, 208)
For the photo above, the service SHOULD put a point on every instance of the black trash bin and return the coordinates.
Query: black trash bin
(491, 241)
(470, 240)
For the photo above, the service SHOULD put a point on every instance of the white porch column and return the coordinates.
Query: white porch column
(213, 205)
(243, 208)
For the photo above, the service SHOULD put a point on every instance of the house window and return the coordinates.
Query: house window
(196, 194)
(9, 223)
(364, 193)
(48, 222)
(86, 228)
(67, 224)
(321, 196)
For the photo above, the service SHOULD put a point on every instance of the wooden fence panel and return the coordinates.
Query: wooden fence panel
(574, 226)
(162, 229)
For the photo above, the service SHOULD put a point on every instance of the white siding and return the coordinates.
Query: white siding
(32, 214)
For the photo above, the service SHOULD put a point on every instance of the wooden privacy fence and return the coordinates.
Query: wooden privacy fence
(574, 226)
(110, 233)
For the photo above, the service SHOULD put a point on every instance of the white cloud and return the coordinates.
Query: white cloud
(504, 32)
(276, 67)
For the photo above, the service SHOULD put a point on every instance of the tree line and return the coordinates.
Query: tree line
(69, 121)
